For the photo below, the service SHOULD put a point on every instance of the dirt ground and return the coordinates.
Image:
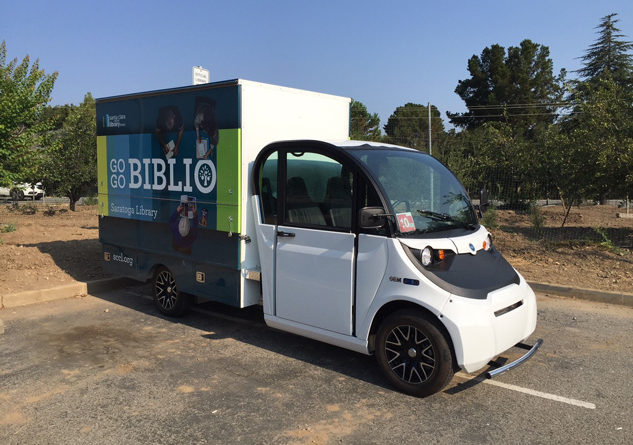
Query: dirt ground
(49, 247)
(53, 247)
(593, 251)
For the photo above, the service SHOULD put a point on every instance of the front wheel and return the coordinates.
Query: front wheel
(413, 353)
(17, 195)
(167, 298)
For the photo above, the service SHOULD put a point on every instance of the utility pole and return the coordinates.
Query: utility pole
(428, 106)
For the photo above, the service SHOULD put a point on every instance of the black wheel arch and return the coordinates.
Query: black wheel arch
(403, 305)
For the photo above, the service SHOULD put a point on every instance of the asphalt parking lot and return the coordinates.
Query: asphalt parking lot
(110, 369)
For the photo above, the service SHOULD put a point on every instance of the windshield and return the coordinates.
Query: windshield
(424, 195)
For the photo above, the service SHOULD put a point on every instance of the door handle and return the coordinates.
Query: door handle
(285, 234)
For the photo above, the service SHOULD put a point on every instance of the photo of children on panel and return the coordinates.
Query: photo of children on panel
(169, 121)
(205, 121)
(184, 224)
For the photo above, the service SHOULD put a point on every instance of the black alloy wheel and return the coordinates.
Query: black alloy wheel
(167, 298)
(413, 353)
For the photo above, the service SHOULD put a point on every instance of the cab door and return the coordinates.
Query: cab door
(314, 247)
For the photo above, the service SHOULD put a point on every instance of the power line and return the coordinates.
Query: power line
(538, 104)
(477, 116)
(509, 105)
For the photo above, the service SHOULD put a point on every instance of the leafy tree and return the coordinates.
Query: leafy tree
(518, 88)
(24, 92)
(600, 125)
(409, 125)
(493, 157)
(601, 128)
(608, 56)
(364, 126)
(70, 163)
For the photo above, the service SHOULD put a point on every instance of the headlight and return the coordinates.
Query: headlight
(427, 256)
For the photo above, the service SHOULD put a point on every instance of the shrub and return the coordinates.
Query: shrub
(6, 228)
(90, 201)
(536, 217)
(489, 219)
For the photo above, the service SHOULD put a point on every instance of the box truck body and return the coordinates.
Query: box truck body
(228, 192)
(141, 188)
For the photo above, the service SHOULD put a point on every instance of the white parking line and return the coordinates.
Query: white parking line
(531, 392)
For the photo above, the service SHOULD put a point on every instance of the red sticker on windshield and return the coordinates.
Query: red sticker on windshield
(405, 222)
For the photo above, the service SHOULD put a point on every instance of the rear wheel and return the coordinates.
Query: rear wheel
(413, 353)
(167, 298)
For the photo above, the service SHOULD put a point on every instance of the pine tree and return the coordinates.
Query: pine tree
(608, 56)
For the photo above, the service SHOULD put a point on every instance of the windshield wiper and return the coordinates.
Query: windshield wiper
(435, 215)
(445, 217)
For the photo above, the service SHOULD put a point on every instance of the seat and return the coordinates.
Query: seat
(300, 208)
(338, 202)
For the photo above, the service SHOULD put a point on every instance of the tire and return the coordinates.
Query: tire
(20, 195)
(167, 298)
(413, 353)
(14, 195)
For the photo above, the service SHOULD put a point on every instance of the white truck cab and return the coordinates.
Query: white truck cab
(377, 248)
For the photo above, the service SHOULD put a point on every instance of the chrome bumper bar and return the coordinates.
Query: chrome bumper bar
(517, 362)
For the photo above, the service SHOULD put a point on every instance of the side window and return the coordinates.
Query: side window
(268, 189)
(318, 191)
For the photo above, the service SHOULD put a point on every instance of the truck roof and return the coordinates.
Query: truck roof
(207, 86)
(367, 144)
(204, 86)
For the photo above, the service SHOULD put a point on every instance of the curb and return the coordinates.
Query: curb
(76, 289)
(79, 288)
(600, 296)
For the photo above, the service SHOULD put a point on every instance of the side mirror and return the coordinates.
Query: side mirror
(484, 203)
(372, 217)
(478, 211)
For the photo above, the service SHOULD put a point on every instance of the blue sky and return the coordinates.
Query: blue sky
(381, 53)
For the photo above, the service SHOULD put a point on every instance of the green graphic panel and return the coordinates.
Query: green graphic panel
(102, 174)
(229, 166)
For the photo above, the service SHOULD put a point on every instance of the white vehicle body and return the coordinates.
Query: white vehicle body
(331, 286)
(23, 191)
(371, 247)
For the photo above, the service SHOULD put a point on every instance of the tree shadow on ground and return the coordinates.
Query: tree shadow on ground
(81, 259)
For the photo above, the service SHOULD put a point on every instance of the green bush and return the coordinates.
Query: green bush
(489, 219)
(90, 201)
(24, 209)
(536, 217)
(6, 228)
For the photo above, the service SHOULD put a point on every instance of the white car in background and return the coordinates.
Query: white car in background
(23, 191)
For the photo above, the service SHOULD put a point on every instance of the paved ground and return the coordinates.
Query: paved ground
(109, 369)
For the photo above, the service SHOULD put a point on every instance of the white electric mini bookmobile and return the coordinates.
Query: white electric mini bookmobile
(368, 246)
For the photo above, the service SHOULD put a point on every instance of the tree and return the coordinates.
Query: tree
(608, 56)
(518, 88)
(70, 163)
(409, 125)
(364, 126)
(600, 125)
(24, 92)
(601, 128)
(493, 157)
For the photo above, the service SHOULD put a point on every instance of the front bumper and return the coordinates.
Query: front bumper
(483, 329)
(531, 350)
